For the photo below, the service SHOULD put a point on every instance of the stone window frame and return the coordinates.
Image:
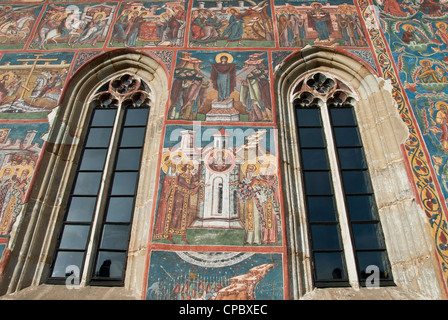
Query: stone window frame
(383, 133)
(29, 264)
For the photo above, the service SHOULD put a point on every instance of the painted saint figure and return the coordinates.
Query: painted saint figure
(320, 21)
(234, 31)
(223, 76)
(176, 209)
(247, 191)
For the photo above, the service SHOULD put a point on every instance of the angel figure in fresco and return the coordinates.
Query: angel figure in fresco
(177, 210)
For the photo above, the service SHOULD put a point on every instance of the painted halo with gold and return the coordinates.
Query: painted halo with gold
(251, 162)
(224, 54)
(29, 168)
(2, 172)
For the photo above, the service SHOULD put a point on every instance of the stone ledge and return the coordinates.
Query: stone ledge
(385, 293)
(61, 292)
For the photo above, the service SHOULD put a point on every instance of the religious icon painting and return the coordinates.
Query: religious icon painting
(215, 276)
(317, 23)
(32, 82)
(218, 186)
(16, 24)
(222, 86)
(231, 24)
(77, 25)
(150, 24)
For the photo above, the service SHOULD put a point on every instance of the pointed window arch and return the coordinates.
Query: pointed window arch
(105, 185)
(108, 127)
(298, 84)
(343, 222)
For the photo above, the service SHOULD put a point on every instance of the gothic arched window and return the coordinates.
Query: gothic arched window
(95, 233)
(344, 226)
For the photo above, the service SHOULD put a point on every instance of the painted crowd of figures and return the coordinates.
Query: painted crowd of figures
(156, 23)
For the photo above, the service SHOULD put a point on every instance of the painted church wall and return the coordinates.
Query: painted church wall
(219, 187)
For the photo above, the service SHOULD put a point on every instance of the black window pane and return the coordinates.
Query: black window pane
(124, 183)
(373, 258)
(311, 138)
(308, 117)
(74, 237)
(104, 117)
(361, 208)
(325, 237)
(133, 137)
(120, 209)
(129, 159)
(65, 260)
(352, 158)
(321, 209)
(342, 116)
(356, 182)
(81, 209)
(98, 138)
(115, 237)
(87, 183)
(110, 265)
(314, 159)
(329, 266)
(136, 117)
(367, 236)
(93, 159)
(318, 183)
(347, 137)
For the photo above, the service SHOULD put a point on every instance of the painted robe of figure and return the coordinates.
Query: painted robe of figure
(234, 30)
(223, 78)
(320, 21)
(255, 95)
(175, 214)
(14, 201)
(252, 215)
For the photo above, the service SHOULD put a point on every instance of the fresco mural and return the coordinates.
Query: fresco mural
(319, 23)
(32, 82)
(217, 190)
(20, 148)
(221, 86)
(78, 25)
(149, 24)
(231, 24)
(215, 276)
(219, 186)
(16, 24)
